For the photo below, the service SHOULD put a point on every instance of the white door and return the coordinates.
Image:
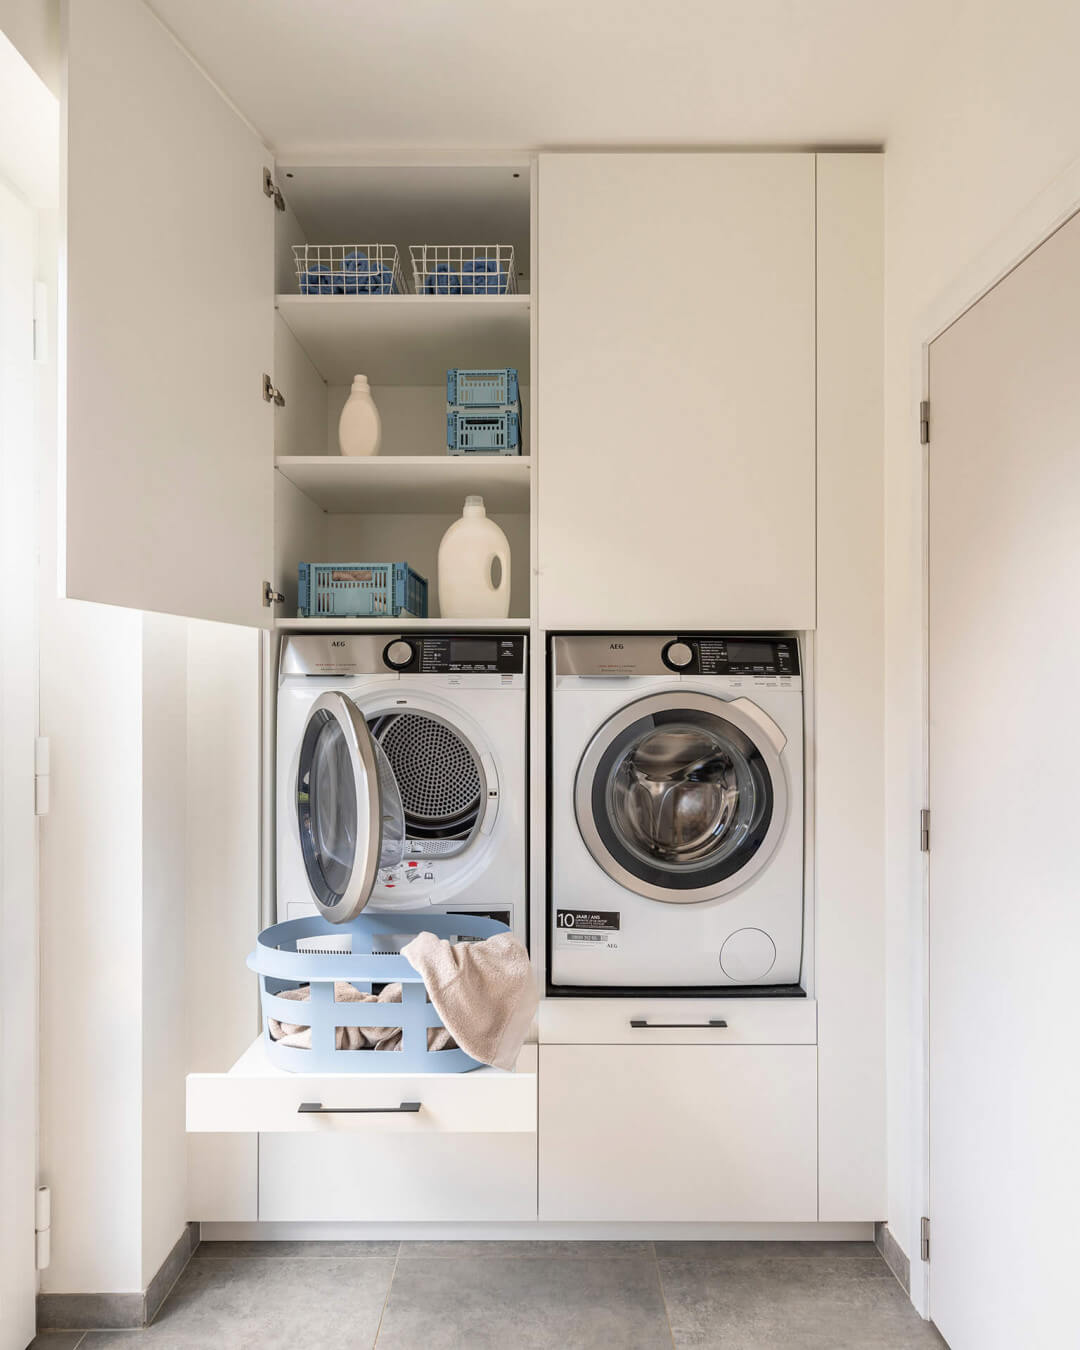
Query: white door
(1004, 700)
(18, 724)
(676, 391)
(169, 459)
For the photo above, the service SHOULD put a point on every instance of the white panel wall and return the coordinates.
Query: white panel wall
(848, 692)
(165, 977)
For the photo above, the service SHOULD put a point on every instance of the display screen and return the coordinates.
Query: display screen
(464, 652)
(750, 653)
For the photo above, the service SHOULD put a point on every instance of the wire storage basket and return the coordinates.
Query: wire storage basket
(348, 269)
(361, 590)
(463, 269)
(314, 955)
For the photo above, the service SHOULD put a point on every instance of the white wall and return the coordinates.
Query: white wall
(33, 26)
(993, 118)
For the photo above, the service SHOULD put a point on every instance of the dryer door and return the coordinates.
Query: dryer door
(348, 808)
(681, 797)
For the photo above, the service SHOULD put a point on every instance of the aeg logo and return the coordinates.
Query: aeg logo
(615, 646)
(337, 642)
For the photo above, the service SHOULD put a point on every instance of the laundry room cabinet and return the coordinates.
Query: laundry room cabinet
(698, 339)
(676, 379)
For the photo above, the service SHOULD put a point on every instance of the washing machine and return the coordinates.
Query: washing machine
(401, 775)
(676, 812)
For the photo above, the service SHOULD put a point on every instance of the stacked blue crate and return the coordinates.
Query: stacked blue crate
(483, 412)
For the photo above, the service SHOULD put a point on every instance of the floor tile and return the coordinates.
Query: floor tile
(793, 1304)
(543, 1303)
(291, 1251)
(268, 1303)
(56, 1340)
(546, 1247)
(759, 1255)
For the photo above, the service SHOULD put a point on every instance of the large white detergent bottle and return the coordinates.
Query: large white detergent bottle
(467, 556)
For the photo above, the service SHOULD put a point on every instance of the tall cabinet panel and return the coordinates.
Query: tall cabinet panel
(169, 454)
(676, 390)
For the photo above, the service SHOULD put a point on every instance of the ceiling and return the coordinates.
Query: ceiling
(341, 76)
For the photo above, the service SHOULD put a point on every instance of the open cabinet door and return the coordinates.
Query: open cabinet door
(169, 442)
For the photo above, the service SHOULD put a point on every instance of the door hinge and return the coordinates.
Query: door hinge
(41, 776)
(924, 1238)
(270, 596)
(272, 190)
(924, 830)
(270, 393)
(42, 1227)
(924, 422)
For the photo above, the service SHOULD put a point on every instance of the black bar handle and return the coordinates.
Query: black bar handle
(317, 1108)
(639, 1022)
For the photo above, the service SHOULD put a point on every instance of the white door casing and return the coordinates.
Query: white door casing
(169, 444)
(1004, 742)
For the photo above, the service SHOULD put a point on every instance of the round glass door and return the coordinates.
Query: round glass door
(348, 808)
(681, 797)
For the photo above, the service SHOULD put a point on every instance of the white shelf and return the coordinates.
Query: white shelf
(410, 483)
(407, 339)
(285, 625)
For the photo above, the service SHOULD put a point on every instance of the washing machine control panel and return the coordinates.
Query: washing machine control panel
(465, 654)
(727, 655)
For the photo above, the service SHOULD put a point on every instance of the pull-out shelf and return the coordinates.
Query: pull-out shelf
(257, 1097)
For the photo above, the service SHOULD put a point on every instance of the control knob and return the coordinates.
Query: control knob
(678, 654)
(399, 654)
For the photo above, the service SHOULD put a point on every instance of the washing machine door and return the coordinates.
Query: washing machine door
(348, 808)
(682, 797)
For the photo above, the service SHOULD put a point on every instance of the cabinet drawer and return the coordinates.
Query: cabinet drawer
(671, 1021)
(256, 1097)
(449, 1178)
(678, 1133)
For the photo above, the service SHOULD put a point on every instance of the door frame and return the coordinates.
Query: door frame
(1054, 207)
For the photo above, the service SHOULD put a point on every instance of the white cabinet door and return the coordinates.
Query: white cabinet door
(676, 391)
(169, 444)
(678, 1133)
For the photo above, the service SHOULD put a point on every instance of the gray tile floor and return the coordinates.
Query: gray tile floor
(528, 1296)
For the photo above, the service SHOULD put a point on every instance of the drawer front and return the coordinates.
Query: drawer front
(678, 1133)
(678, 1021)
(255, 1097)
(447, 1178)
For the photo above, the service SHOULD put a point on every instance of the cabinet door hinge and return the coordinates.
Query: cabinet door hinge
(270, 393)
(272, 190)
(41, 776)
(924, 1238)
(924, 422)
(270, 596)
(924, 831)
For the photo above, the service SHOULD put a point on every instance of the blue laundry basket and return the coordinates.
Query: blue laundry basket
(281, 965)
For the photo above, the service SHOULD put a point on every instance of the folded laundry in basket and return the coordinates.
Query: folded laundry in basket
(484, 992)
(442, 281)
(482, 276)
(353, 1038)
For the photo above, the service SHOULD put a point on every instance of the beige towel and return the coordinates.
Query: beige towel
(353, 1038)
(483, 991)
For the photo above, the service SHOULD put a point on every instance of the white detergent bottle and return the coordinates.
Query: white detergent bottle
(359, 427)
(467, 556)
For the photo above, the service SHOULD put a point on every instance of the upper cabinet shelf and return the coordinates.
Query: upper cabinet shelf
(407, 339)
(410, 483)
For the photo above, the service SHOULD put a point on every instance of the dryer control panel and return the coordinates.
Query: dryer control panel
(459, 654)
(733, 655)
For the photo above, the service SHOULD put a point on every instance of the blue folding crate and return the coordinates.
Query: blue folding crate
(361, 591)
(482, 388)
(483, 433)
